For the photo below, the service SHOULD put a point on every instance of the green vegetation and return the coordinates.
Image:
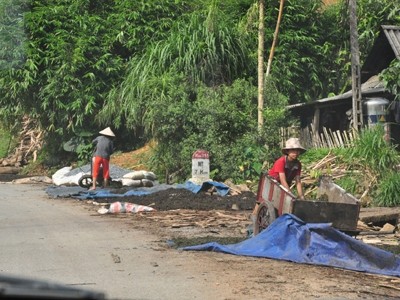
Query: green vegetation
(313, 155)
(388, 189)
(5, 140)
(390, 77)
(368, 168)
(373, 151)
(379, 160)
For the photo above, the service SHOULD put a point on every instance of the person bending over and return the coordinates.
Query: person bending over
(104, 144)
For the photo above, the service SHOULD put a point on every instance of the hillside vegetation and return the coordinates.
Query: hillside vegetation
(369, 169)
(182, 73)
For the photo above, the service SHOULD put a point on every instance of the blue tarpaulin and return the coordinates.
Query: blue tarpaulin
(221, 188)
(104, 193)
(289, 238)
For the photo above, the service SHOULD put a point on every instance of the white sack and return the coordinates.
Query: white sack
(131, 182)
(59, 177)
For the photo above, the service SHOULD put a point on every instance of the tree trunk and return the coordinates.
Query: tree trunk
(355, 67)
(261, 4)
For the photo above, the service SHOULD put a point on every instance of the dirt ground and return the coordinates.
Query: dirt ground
(173, 199)
(183, 218)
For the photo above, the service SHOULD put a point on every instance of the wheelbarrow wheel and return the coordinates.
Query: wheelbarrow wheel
(115, 184)
(265, 215)
(85, 181)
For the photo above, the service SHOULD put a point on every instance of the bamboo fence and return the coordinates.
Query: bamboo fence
(326, 139)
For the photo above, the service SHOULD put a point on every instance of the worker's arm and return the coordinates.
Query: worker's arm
(282, 180)
(299, 187)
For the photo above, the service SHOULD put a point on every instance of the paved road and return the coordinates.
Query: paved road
(58, 240)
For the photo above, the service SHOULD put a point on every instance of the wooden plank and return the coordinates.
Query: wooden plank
(328, 139)
(380, 215)
(340, 139)
(9, 170)
(335, 141)
(346, 138)
(337, 138)
(316, 120)
(325, 136)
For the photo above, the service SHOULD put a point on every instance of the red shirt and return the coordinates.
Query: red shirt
(282, 165)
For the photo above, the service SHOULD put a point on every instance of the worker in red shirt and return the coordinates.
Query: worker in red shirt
(288, 167)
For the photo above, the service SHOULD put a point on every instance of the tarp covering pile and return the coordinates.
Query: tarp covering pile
(82, 194)
(221, 188)
(195, 188)
(289, 238)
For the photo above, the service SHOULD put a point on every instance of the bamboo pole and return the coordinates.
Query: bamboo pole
(278, 22)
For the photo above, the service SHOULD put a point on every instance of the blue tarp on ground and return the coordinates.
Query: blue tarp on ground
(221, 188)
(289, 238)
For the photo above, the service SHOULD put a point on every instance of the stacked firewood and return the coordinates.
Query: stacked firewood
(326, 166)
(331, 166)
(31, 141)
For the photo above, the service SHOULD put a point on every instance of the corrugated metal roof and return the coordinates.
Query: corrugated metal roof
(371, 86)
(393, 35)
(386, 48)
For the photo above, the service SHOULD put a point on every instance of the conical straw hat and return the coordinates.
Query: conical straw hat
(107, 132)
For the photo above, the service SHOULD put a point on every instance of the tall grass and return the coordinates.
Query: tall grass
(380, 159)
(373, 151)
(202, 47)
(388, 193)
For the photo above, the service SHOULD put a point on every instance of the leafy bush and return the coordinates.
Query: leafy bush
(391, 78)
(81, 144)
(276, 116)
(5, 140)
(216, 120)
(222, 121)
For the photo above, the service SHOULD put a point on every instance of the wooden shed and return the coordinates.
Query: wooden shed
(335, 113)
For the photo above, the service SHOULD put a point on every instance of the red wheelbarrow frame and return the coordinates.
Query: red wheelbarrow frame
(338, 207)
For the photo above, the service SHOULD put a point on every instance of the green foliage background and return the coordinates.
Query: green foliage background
(180, 72)
(5, 139)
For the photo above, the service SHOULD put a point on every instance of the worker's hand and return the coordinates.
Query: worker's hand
(302, 198)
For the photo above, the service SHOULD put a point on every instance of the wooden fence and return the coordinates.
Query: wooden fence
(326, 139)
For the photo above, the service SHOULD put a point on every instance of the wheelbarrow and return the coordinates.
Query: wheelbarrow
(334, 205)
(86, 180)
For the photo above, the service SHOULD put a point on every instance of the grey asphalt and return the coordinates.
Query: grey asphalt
(60, 241)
